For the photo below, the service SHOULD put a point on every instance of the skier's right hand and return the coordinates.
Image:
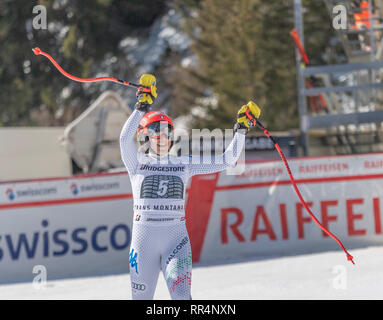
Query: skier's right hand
(146, 99)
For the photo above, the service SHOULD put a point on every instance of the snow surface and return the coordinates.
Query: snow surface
(315, 276)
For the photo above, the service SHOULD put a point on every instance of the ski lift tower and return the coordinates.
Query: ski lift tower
(352, 92)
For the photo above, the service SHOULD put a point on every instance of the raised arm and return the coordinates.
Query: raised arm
(129, 152)
(234, 150)
(215, 164)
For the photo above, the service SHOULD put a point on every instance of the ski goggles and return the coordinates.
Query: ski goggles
(159, 128)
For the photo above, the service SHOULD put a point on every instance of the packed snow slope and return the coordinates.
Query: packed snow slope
(325, 275)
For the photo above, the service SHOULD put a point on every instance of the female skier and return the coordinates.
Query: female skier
(160, 240)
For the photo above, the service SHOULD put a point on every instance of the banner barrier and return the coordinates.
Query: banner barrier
(258, 212)
(78, 226)
(81, 225)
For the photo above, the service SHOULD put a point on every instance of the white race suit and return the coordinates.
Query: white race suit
(160, 240)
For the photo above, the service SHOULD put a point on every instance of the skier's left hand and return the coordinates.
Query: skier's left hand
(243, 121)
(149, 81)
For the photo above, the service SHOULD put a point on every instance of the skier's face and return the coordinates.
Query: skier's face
(160, 144)
(160, 134)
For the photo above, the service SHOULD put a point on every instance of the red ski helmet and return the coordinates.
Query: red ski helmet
(154, 124)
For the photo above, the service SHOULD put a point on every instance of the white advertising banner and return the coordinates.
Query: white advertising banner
(71, 227)
(81, 226)
(259, 213)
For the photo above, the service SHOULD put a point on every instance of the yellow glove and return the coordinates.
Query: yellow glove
(149, 81)
(243, 121)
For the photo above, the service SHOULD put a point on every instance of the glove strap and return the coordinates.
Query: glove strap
(241, 128)
(142, 107)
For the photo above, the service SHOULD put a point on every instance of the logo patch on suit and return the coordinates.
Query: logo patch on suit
(162, 186)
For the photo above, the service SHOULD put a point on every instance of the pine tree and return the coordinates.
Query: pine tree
(80, 35)
(245, 52)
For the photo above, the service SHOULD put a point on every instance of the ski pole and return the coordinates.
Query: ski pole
(258, 123)
(306, 63)
(38, 51)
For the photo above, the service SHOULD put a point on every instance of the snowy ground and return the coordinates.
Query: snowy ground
(317, 276)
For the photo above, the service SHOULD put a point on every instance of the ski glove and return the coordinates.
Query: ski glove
(146, 99)
(243, 121)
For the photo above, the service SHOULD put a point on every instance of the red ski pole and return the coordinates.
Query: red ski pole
(281, 154)
(302, 51)
(38, 51)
